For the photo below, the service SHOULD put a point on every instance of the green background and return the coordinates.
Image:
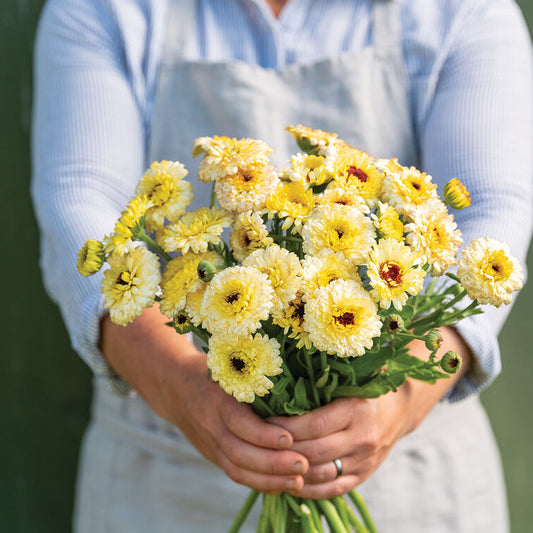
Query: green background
(45, 388)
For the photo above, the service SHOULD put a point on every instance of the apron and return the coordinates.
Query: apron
(138, 473)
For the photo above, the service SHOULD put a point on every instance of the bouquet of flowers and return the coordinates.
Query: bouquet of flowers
(333, 266)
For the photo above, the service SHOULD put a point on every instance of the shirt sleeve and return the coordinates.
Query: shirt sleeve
(88, 148)
(477, 126)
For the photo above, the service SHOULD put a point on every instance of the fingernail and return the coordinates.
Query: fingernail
(298, 468)
(284, 442)
(291, 484)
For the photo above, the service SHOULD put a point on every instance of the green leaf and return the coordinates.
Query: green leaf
(323, 379)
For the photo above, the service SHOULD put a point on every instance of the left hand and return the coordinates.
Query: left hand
(361, 432)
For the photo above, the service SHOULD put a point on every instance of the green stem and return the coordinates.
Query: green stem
(213, 196)
(243, 513)
(363, 511)
(263, 405)
(332, 516)
(311, 372)
(307, 520)
(316, 515)
(279, 506)
(263, 525)
(287, 238)
(143, 236)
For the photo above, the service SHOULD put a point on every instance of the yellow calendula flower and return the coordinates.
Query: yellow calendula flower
(315, 141)
(456, 194)
(169, 193)
(342, 319)
(320, 270)
(236, 300)
(242, 365)
(355, 170)
(122, 238)
(292, 202)
(225, 156)
(388, 223)
(130, 284)
(247, 189)
(341, 229)
(408, 189)
(291, 319)
(91, 257)
(395, 273)
(309, 170)
(195, 231)
(340, 196)
(489, 273)
(282, 268)
(434, 235)
(249, 234)
(180, 278)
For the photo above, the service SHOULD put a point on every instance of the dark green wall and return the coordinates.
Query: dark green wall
(45, 389)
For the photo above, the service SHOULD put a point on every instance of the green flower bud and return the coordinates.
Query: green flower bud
(182, 322)
(456, 195)
(451, 362)
(393, 324)
(206, 271)
(91, 257)
(433, 340)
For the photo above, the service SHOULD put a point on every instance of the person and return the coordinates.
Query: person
(442, 84)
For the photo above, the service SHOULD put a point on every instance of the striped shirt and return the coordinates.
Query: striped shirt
(96, 63)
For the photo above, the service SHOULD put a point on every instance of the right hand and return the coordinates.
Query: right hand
(171, 375)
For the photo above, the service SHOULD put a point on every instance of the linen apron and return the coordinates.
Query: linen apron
(138, 473)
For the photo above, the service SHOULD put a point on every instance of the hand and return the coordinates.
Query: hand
(171, 375)
(361, 432)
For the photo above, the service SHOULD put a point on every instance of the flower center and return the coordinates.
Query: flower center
(233, 297)
(498, 267)
(361, 175)
(391, 273)
(237, 364)
(346, 319)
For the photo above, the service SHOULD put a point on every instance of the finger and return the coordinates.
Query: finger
(326, 472)
(337, 487)
(269, 484)
(318, 423)
(327, 449)
(245, 424)
(263, 460)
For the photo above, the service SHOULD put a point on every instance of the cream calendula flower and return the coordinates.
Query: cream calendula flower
(320, 270)
(242, 365)
(91, 257)
(122, 238)
(395, 273)
(291, 319)
(355, 170)
(130, 284)
(489, 273)
(225, 156)
(246, 190)
(342, 319)
(292, 202)
(340, 196)
(195, 231)
(180, 278)
(249, 234)
(434, 235)
(236, 300)
(169, 193)
(282, 268)
(315, 141)
(388, 223)
(309, 170)
(341, 229)
(408, 189)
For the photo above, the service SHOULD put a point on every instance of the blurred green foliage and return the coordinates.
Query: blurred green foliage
(46, 388)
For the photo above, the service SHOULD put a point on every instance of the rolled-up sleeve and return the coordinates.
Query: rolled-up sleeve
(476, 125)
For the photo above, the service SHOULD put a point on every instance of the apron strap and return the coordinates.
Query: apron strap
(182, 20)
(387, 25)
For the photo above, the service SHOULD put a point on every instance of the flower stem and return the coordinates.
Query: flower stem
(363, 511)
(243, 513)
(263, 405)
(143, 236)
(332, 516)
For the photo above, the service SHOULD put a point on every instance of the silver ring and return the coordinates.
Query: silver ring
(338, 466)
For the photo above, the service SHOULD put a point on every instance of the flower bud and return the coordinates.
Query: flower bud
(456, 195)
(182, 323)
(206, 271)
(393, 324)
(451, 362)
(433, 340)
(91, 257)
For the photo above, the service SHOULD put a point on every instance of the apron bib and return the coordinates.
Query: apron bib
(139, 473)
